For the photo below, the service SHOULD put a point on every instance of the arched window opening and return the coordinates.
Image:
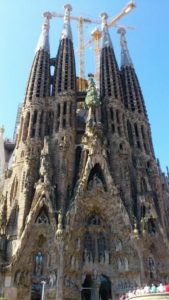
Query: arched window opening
(88, 291)
(88, 241)
(64, 108)
(117, 117)
(42, 218)
(33, 129)
(136, 130)
(94, 220)
(105, 288)
(101, 248)
(96, 178)
(88, 255)
(49, 123)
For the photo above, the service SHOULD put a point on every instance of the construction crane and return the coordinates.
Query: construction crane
(97, 34)
(81, 50)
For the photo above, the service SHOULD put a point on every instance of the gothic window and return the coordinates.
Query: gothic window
(88, 241)
(101, 246)
(117, 117)
(136, 130)
(94, 220)
(49, 123)
(42, 218)
(64, 108)
(112, 119)
(96, 177)
(34, 119)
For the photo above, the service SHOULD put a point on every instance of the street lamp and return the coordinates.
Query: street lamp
(43, 290)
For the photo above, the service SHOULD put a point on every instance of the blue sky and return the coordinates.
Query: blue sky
(20, 25)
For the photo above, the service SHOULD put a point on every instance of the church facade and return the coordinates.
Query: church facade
(83, 206)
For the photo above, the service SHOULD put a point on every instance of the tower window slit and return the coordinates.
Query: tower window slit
(136, 130)
(130, 133)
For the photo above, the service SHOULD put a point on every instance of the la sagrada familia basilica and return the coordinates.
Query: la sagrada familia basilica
(84, 204)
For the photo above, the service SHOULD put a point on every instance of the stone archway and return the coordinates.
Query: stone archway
(88, 291)
(105, 288)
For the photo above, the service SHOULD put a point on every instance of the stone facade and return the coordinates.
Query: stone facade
(84, 205)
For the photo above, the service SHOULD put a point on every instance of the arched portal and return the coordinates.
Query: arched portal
(88, 291)
(105, 288)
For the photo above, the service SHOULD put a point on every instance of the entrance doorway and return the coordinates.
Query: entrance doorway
(36, 291)
(105, 288)
(88, 289)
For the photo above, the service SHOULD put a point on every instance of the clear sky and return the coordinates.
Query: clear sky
(20, 26)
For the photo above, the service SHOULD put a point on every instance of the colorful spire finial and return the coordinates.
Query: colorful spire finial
(125, 56)
(43, 43)
(106, 41)
(66, 32)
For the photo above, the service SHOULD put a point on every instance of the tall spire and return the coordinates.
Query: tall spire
(65, 73)
(43, 43)
(133, 98)
(66, 31)
(38, 83)
(110, 85)
(125, 56)
(106, 41)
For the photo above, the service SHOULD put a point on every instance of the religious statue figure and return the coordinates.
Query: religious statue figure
(118, 245)
(38, 264)
(126, 264)
(106, 255)
(151, 264)
(119, 264)
(52, 279)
